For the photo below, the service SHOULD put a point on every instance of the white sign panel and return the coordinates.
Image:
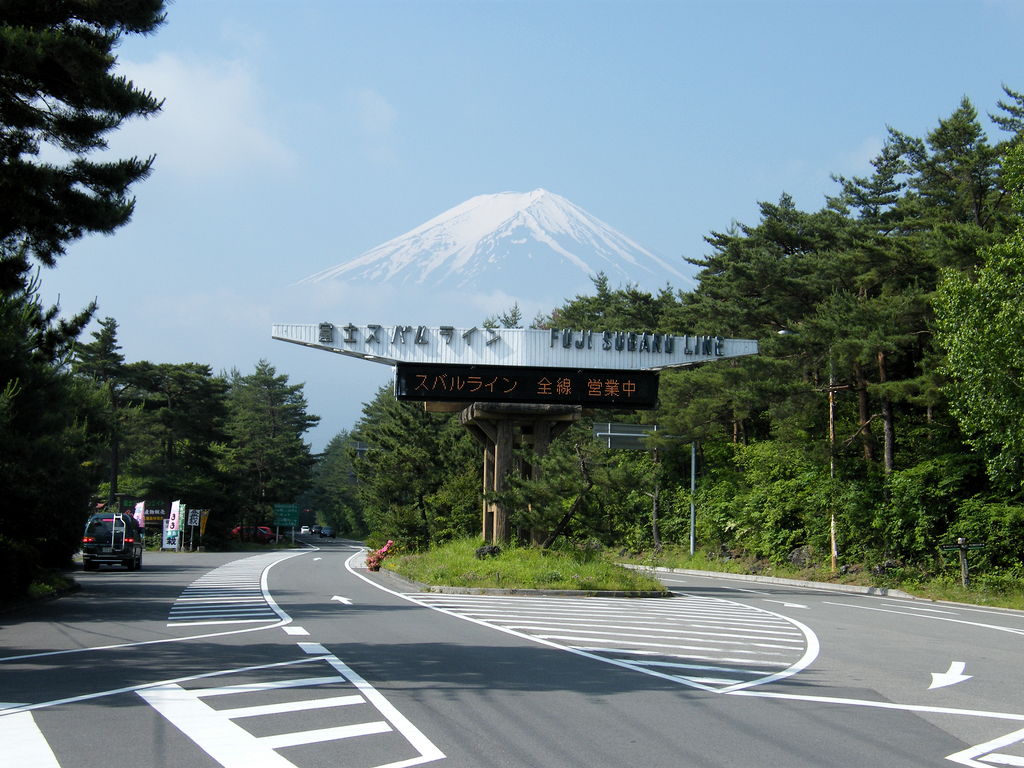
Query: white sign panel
(555, 348)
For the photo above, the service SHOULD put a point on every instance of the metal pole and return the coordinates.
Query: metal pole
(693, 492)
(832, 460)
(964, 576)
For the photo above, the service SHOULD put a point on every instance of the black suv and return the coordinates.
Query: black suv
(112, 538)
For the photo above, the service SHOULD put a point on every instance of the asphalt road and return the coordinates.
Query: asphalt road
(302, 658)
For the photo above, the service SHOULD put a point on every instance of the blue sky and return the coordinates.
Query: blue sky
(298, 134)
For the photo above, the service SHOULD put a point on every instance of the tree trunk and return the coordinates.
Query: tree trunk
(864, 415)
(655, 531)
(563, 524)
(889, 432)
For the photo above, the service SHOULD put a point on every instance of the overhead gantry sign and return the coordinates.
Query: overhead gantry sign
(516, 386)
(526, 347)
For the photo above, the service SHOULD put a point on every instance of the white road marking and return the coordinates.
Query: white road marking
(295, 630)
(997, 627)
(952, 677)
(226, 742)
(218, 622)
(1017, 716)
(683, 632)
(231, 745)
(24, 744)
(788, 605)
(283, 619)
(428, 752)
(291, 706)
(340, 599)
(234, 590)
(988, 753)
(918, 608)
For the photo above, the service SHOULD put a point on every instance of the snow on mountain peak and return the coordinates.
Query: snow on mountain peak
(509, 240)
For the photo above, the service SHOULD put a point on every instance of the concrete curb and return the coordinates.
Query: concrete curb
(387, 575)
(822, 585)
(549, 592)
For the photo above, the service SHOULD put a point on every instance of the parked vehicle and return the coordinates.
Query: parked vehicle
(327, 531)
(113, 538)
(260, 533)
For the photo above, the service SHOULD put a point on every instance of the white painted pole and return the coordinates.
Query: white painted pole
(693, 493)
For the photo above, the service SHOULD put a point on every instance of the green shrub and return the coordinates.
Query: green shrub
(18, 567)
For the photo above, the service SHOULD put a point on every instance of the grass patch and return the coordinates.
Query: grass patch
(47, 584)
(455, 564)
(999, 590)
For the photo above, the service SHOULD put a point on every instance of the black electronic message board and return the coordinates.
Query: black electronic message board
(512, 384)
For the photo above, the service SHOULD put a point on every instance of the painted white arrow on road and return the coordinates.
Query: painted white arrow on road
(787, 605)
(953, 676)
(341, 599)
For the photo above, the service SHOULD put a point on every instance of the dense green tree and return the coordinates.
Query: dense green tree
(981, 323)
(410, 456)
(622, 309)
(58, 88)
(46, 443)
(265, 456)
(101, 361)
(179, 421)
(334, 487)
(956, 176)
(58, 92)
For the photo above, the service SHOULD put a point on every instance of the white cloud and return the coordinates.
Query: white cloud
(214, 120)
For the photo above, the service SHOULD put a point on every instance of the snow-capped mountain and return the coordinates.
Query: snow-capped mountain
(512, 240)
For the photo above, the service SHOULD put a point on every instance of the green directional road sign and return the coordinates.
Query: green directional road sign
(286, 515)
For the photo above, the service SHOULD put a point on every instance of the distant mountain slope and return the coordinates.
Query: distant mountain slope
(509, 240)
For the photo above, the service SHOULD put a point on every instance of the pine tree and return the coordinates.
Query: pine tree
(1012, 117)
(334, 487)
(102, 362)
(46, 442)
(58, 88)
(179, 413)
(265, 455)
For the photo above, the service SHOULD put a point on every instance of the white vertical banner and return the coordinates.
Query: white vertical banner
(170, 540)
(140, 515)
(172, 527)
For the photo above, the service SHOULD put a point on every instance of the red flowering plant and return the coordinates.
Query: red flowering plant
(374, 559)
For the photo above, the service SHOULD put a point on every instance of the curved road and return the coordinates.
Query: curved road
(301, 658)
